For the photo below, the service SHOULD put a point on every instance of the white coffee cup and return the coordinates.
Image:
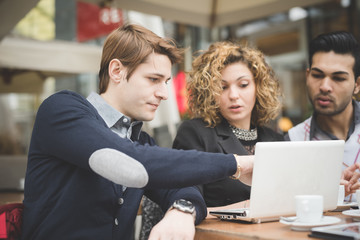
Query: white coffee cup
(309, 208)
(341, 195)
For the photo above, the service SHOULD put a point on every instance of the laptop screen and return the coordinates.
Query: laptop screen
(283, 170)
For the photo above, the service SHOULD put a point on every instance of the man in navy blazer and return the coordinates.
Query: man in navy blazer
(89, 163)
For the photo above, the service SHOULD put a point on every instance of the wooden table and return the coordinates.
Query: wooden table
(212, 228)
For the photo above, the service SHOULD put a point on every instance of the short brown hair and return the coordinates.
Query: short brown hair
(204, 84)
(131, 44)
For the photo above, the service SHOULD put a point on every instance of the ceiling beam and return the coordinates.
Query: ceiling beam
(211, 13)
(11, 12)
(54, 56)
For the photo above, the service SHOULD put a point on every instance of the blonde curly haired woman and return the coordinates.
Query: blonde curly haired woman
(233, 93)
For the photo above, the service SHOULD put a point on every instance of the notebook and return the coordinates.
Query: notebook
(337, 232)
(283, 170)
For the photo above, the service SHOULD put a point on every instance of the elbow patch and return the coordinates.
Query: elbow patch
(119, 168)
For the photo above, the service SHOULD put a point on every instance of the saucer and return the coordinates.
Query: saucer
(300, 226)
(344, 206)
(355, 213)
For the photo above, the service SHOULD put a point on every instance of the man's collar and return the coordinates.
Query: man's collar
(110, 115)
(315, 127)
(356, 105)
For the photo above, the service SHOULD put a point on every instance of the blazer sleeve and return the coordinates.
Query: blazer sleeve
(166, 197)
(68, 128)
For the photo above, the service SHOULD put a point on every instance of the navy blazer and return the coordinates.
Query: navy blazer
(65, 199)
(194, 134)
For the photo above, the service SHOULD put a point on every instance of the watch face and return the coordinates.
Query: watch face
(185, 203)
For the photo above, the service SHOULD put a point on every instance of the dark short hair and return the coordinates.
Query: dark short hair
(340, 42)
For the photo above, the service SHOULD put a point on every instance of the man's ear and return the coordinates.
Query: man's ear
(357, 85)
(116, 70)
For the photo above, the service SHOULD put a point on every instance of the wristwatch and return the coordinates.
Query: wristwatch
(184, 206)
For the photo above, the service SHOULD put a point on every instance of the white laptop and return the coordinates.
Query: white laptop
(283, 170)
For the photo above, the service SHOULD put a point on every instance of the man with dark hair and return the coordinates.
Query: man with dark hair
(89, 163)
(332, 79)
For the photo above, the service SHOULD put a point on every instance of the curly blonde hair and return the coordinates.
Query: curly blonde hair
(204, 84)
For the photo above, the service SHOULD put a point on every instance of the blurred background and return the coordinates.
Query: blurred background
(50, 45)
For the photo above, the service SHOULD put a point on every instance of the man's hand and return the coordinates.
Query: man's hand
(175, 225)
(247, 164)
(350, 178)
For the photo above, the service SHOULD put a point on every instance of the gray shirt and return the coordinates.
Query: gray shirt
(115, 120)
